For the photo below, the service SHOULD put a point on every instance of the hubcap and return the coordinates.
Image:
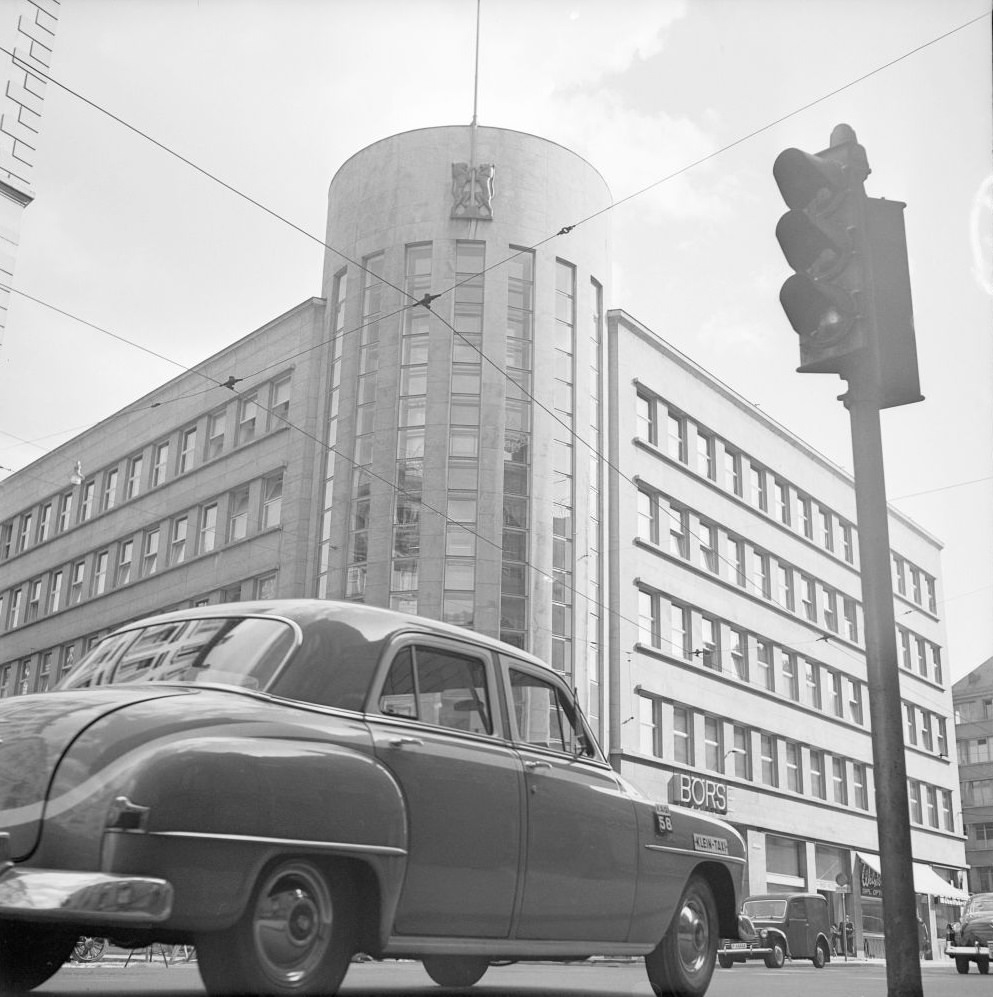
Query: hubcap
(292, 923)
(694, 936)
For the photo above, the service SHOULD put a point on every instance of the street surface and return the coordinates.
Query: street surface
(392, 979)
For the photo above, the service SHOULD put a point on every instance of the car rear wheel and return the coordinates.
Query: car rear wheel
(295, 937)
(725, 961)
(962, 963)
(683, 962)
(776, 956)
(456, 970)
(983, 964)
(29, 955)
(820, 956)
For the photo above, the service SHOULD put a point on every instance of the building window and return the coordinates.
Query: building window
(187, 450)
(150, 553)
(847, 542)
(838, 693)
(6, 538)
(24, 677)
(679, 631)
(770, 765)
(788, 668)
(808, 597)
(208, 529)
(794, 777)
(648, 726)
(86, 500)
(916, 810)
(787, 597)
(827, 529)
(760, 494)
(855, 702)
(109, 498)
(942, 738)
(760, 574)
(132, 488)
(742, 752)
(279, 407)
(708, 547)
(713, 744)
(100, 572)
(238, 515)
(813, 675)
(806, 516)
(54, 593)
(24, 534)
(817, 787)
(783, 502)
(860, 789)
(915, 582)
(904, 638)
(679, 532)
(947, 820)
(14, 610)
(648, 516)
(646, 418)
(682, 735)
(216, 424)
(34, 601)
(248, 412)
(732, 471)
(44, 672)
(125, 556)
(676, 424)
(706, 455)
(649, 631)
(739, 653)
(932, 597)
(936, 663)
(272, 500)
(710, 636)
(911, 715)
(831, 609)
(840, 781)
(160, 464)
(927, 732)
(850, 610)
(44, 522)
(901, 574)
(177, 542)
(65, 512)
(921, 649)
(764, 663)
(265, 586)
(736, 555)
(76, 585)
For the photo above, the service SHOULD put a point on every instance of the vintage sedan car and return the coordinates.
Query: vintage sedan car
(287, 783)
(972, 935)
(782, 926)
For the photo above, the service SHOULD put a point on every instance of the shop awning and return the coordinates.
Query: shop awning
(926, 880)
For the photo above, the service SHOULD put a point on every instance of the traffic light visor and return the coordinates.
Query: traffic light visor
(801, 176)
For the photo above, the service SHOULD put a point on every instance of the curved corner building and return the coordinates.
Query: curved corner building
(463, 432)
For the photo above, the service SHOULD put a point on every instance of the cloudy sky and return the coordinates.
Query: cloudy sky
(692, 100)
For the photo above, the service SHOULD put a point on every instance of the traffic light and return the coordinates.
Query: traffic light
(849, 300)
(823, 239)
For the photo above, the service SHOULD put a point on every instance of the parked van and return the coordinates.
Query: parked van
(785, 926)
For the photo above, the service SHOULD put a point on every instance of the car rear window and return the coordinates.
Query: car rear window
(240, 651)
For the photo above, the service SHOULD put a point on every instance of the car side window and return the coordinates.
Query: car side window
(438, 686)
(545, 716)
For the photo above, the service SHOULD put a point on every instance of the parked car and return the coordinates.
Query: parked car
(971, 937)
(285, 784)
(783, 926)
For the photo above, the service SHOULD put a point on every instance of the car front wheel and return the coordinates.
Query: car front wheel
(777, 956)
(455, 970)
(962, 963)
(683, 962)
(29, 955)
(295, 937)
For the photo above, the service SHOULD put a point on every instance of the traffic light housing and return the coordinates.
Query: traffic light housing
(849, 298)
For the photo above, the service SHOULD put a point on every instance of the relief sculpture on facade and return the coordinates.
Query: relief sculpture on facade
(472, 190)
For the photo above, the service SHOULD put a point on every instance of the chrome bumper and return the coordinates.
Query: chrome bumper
(83, 897)
(977, 949)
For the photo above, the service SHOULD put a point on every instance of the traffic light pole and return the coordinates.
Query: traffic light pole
(903, 968)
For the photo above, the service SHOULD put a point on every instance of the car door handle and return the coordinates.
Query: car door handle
(532, 766)
(401, 742)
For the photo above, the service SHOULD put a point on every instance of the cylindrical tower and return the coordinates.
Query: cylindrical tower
(462, 474)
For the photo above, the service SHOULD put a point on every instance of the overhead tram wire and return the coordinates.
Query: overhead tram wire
(428, 299)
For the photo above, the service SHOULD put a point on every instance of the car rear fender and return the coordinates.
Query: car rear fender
(207, 812)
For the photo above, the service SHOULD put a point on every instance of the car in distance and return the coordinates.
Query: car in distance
(972, 935)
(783, 926)
(287, 783)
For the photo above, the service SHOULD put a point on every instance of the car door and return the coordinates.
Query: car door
(439, 730)
(798, 928)
(581, 855)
